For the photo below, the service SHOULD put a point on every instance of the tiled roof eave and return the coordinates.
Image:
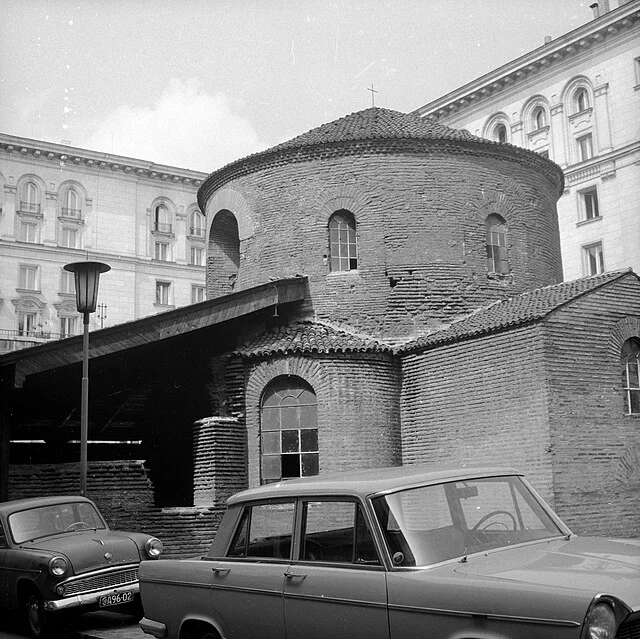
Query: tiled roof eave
(311, 151)
(425, 343)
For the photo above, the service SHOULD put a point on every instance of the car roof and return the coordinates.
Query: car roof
(363, 483)
(14, 505)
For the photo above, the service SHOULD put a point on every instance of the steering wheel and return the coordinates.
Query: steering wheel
(494, 513)
(80, 525)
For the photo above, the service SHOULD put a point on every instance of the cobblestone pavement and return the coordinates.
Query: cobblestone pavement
(96, 625)
(106, 625)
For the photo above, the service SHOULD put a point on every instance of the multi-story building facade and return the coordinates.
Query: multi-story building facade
(575, 99)
(60, 204)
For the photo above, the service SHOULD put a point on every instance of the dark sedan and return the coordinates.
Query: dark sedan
(58, 554)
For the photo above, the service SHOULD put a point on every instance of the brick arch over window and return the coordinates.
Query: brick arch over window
(288, 430)
(259, 376)
(224, 254)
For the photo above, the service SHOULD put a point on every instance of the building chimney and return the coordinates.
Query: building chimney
(605, 6)
(595, 7)
(547, 39)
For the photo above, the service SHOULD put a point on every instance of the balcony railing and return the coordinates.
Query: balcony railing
(29, 207)
(74, 214)
(161, 227)
(196, 231)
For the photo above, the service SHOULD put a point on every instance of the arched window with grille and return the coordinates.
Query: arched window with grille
(630, 368)
(343, 249)
(196, 224)
(288, 430)
(497, 252)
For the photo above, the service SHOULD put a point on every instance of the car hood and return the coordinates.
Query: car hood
(90, 550)
(582, 563)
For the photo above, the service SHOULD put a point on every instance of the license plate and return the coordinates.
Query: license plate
(116, 599)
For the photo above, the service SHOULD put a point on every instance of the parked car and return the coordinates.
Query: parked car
(58, 554)
(407, 552)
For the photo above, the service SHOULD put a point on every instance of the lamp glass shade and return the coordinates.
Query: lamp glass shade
(87, 276)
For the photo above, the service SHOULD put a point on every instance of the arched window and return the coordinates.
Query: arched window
(342, 241)
(30, 198)
(196, 223)
(630, 366)
(288, 430)
(223, 262)
(71, 203)
(161, 219)
(500, 133)
(497, 256)
(538, 118)
(581, 101)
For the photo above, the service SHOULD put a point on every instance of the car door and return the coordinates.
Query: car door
(337, 587)
(247, 584)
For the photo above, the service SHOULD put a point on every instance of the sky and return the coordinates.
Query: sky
(197, 84)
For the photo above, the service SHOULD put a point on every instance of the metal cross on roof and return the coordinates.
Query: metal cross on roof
(373, 92)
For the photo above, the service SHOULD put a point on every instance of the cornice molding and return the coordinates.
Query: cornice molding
(591, 34)
(47, 151)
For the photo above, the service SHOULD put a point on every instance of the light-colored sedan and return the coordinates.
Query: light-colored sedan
(400, 553)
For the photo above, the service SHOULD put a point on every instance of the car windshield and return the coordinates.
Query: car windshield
(43, 521)
(429, 524)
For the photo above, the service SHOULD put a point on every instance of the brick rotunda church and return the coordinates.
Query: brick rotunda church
(392, 293)
(436, 326)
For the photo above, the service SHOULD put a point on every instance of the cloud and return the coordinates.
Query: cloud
(187, 128)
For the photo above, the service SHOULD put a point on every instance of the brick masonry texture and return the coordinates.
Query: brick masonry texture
(420, 230)
(358, 408)
(124, 494)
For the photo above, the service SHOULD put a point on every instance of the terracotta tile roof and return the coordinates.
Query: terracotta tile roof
(310, 337)
(522, 309)
(376, 124)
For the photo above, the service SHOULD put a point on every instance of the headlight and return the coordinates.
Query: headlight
(153, 547)
(58, 566)
(601, 622)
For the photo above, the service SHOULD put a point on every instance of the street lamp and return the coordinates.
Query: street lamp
(87, 277)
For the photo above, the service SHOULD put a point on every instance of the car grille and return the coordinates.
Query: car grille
(629, 629)
(101, 580)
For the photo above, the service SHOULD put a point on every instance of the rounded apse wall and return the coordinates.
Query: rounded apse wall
(422, 213)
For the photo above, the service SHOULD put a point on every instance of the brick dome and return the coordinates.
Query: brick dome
(420, 195)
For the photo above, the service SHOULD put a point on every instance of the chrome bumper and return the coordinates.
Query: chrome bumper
(154, 628)
(88, 598)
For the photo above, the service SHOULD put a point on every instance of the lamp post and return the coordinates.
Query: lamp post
(87, 277)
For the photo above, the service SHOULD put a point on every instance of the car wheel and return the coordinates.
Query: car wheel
(38, 621)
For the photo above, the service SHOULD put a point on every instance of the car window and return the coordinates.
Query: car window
(336, 531)
(430, 524)
(264, 531)
(43, 521)
(3, 537)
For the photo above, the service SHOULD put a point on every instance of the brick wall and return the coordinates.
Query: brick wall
(220, 460)
(124, 495)
(480, 402)
(596, 447)
(420, 229)
(358, 408)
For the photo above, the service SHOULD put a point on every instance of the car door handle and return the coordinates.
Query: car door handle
(220, 571)
(293, 575)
